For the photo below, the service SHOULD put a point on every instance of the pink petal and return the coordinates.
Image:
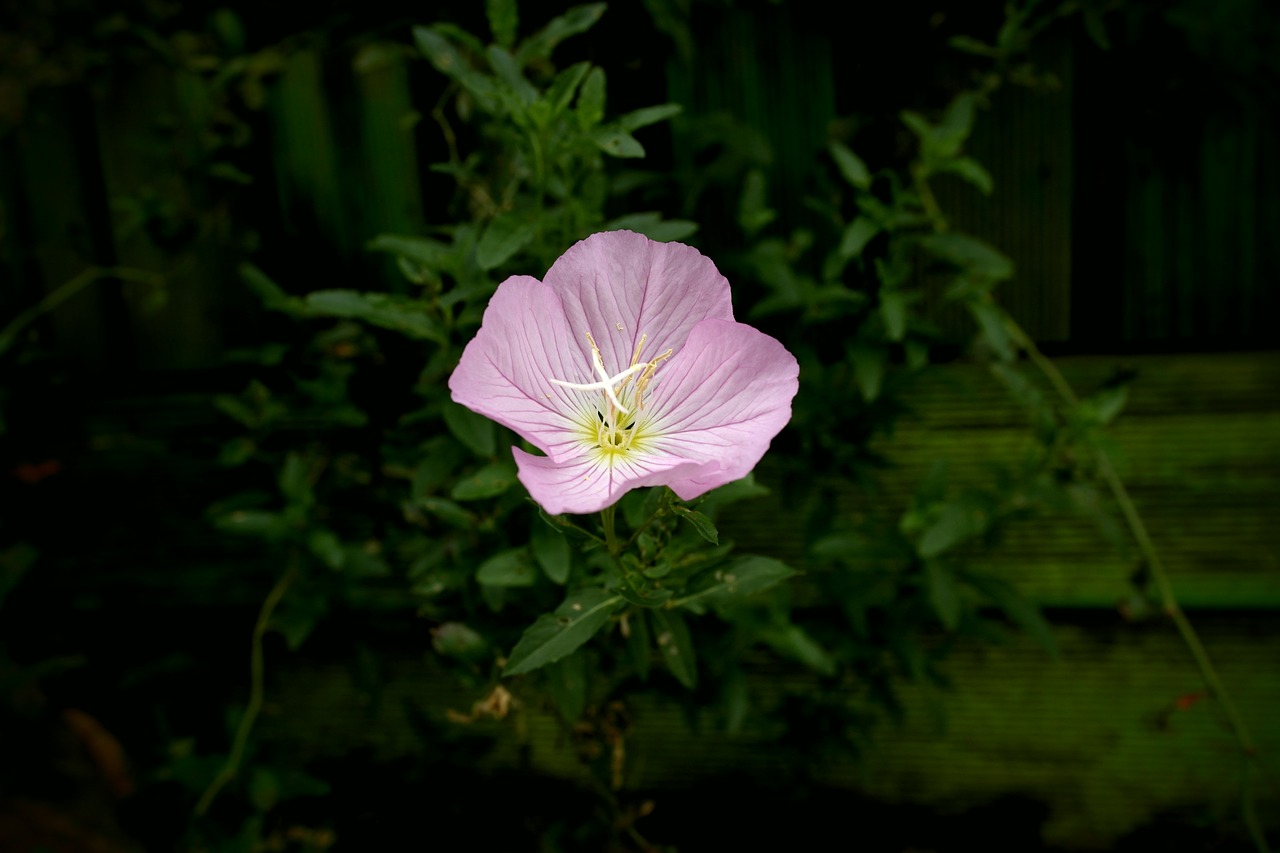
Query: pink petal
(505, 370)
(586, 485)
(618, 285)
(720, 401)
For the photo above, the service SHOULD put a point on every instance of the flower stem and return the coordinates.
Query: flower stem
(610, 535)
(256, 692)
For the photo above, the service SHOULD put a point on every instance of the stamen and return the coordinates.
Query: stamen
(605, 385)
(610, 432)
(635, 356)
(651, 368)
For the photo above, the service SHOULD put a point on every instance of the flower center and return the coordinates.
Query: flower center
(618, 413)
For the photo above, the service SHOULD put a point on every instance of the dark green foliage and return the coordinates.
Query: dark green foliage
(414, 165)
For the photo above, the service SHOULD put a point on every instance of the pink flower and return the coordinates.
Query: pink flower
(626, 368)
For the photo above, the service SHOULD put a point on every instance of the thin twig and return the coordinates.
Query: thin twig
(1160, 576)
(65, 291)
(256, 691)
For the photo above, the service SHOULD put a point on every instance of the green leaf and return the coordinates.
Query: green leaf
(1021, 612)
(933, 486)
(448, 61)
(969, 254)
(14, 563)
(263, 789)
(893, 311)
(555, 635)
(991, 322)
(473, 430)
(431, 254)
(850, 165)
(754, 212)
(270, 293)
(646, 597)
(1103, 407)
(457, 640)
(507, 568)
(737, 581)
(731, 493)
(955, 523)
(791, 641)
(972, 171)
(1095, 28)
(551, 550)
(590, 108)
(489, 482)
(616, 142)
(361, 562)
(325, 545)
(869, 364)
(857, 234)
(918, 125)
(672, 637)
(917, 355)
(566, 682)
(236, 409)
(646, 116)
(271, 525)
(506, 235)
(706, 529)
(298, 614)
(565, 526)
(956, 124)
(670, 230)
(504, 19)
(969, 44)
(397, 313)
(565, 86)
(447, 511)
(735, 700)
(944, 593)
(652, 225)
(295, 479)
(639, 643)
(576, 20)
(504, 65)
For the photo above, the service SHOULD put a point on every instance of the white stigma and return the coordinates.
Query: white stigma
(606, 382)
(610, 433)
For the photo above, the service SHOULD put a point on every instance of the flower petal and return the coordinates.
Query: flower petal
(618, 285)
(588, 484)
(720, 401)
(505, 371)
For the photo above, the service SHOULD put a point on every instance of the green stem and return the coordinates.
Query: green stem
(1159, 575)
(920, 177)
(61, 294)
(256, 693)
(610, 535)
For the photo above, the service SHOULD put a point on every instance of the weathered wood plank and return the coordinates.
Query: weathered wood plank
(1199, 447)
(151, 119)
(48, 175)
(1113, 734)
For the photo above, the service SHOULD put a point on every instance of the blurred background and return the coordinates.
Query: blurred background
(241, 248)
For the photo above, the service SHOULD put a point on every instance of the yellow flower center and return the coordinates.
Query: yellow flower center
(619, 423)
